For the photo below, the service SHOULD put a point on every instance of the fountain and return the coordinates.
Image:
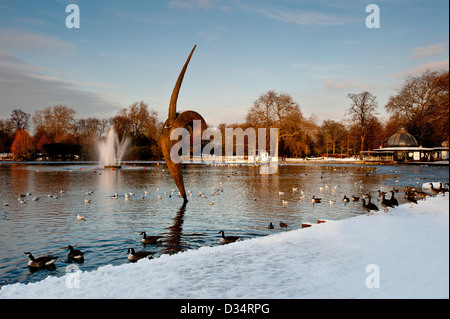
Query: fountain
(112, 150)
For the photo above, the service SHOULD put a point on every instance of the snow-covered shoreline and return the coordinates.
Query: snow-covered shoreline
(401, 254)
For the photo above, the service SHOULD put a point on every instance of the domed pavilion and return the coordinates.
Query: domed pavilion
(402, 147)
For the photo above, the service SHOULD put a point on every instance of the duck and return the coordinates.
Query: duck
(270, 226)
(355, 198)
(284, 202)
(228, 239)
(370, 207)
(136, 255)
(80, 217)
(433, 190)
(74, 253)
(315, 199)
(41, 261)
(87, 201)
(283, 224)
(345, 199)
(386, 203)
(150, 239)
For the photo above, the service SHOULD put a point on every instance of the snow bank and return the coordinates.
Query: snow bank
(401, 254)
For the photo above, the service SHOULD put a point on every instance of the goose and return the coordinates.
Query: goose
(283, 224)
(315, 199)
(410, 198)
(433, 190)
(74, 253)
(345, 199)
(380, 193)
(228, 239)
(150, 239)
(370, 207)
(386, 203)
(41, 261)
(136, 255)
(80, 217)
(441, 189)
(355, 198)
(270, 226)
(393, 200)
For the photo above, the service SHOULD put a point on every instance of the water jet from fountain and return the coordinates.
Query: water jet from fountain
(111, 150)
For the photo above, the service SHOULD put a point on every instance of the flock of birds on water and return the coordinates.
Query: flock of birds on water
(412, 195)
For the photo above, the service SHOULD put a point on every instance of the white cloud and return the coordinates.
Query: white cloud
(28, 87)
(336, 84)
(192, 4)
(436, 65)
(429, 50)
(299, 17)
(13, 40)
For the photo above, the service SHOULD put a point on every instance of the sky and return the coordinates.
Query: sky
(126, 51)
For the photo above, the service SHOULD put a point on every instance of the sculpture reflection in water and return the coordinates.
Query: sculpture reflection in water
(174, 121)
(173, 242)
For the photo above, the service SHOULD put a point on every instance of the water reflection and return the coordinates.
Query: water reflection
(172, 240)
(245, 202)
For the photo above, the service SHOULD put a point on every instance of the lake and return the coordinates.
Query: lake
(40, 204)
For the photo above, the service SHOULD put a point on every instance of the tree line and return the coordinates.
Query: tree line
(421, 105)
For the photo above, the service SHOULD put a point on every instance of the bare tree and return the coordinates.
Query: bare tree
(422, 104)
(362, 111)
(20, 119)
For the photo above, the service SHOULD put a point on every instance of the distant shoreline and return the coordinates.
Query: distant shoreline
(289, 161)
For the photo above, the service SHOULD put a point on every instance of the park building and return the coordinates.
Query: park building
(402, 147)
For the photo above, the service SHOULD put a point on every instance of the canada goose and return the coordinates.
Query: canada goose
(393, 200)
(386, 203)
(74, 253)
(370, 207)
(80, 217)
(354, 198)
(380, 193)
(315, 199)
(410, 198)
(283, 224)
(150, 239)
(228, 239)
(41, 261)
(441, 189)
(433, 190)
(270, 226)
(345, 199)
(136, 255)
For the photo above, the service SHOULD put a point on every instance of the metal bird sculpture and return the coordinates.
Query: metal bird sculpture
(178, 120)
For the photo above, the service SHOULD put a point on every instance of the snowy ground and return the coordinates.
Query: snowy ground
(401, 254)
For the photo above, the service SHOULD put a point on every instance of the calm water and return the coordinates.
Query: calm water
(245, 202)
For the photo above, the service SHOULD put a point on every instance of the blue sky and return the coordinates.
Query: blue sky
(127, 51)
